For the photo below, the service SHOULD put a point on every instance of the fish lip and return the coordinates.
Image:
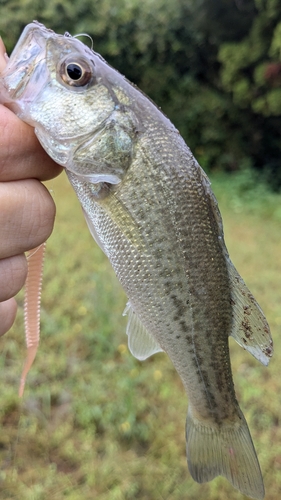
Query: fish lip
(26, 58)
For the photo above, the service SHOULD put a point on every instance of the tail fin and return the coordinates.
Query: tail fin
(227, 451)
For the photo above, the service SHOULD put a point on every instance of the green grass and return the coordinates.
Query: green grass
(94, 422)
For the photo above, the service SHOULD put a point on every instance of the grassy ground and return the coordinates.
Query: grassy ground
(94, 422)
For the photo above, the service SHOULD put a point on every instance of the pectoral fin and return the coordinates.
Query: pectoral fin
(140, 342)
(249, 328)
(93, 231)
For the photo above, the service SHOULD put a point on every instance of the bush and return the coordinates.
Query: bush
(213, 66)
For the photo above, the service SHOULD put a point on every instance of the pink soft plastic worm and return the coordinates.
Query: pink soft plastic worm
(32, 300)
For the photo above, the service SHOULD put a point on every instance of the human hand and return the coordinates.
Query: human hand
(27, 210)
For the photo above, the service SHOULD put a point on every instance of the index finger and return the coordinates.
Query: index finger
(22, 157)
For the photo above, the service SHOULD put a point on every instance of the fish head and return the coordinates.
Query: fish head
(77, 103)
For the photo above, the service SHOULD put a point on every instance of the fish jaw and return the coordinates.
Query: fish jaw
(25, 73)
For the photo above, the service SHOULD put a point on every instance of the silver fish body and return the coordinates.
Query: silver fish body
(150, 207)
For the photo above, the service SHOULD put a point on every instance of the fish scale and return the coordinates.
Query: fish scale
(150, 208)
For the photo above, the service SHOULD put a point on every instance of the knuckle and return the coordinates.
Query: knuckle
(40, 214)
(8, 310)
(47, 212)
(13, 273)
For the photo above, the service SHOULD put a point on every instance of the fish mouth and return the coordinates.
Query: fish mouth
(26, 71)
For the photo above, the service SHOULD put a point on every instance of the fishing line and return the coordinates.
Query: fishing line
(87, 36)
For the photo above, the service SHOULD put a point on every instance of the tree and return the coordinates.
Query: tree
(214, 66)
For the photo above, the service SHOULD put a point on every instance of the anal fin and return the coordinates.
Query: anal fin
(141, 344)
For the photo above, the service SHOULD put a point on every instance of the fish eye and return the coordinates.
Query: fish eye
(76, 73)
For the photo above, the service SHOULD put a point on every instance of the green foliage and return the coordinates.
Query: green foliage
(240, 60)
(95, 422)
(244, 190)
(251, 73)
(214, 66)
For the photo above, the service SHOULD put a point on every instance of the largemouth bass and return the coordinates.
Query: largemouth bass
(150, 207)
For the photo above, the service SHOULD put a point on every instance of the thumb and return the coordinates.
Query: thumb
(3, 55)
